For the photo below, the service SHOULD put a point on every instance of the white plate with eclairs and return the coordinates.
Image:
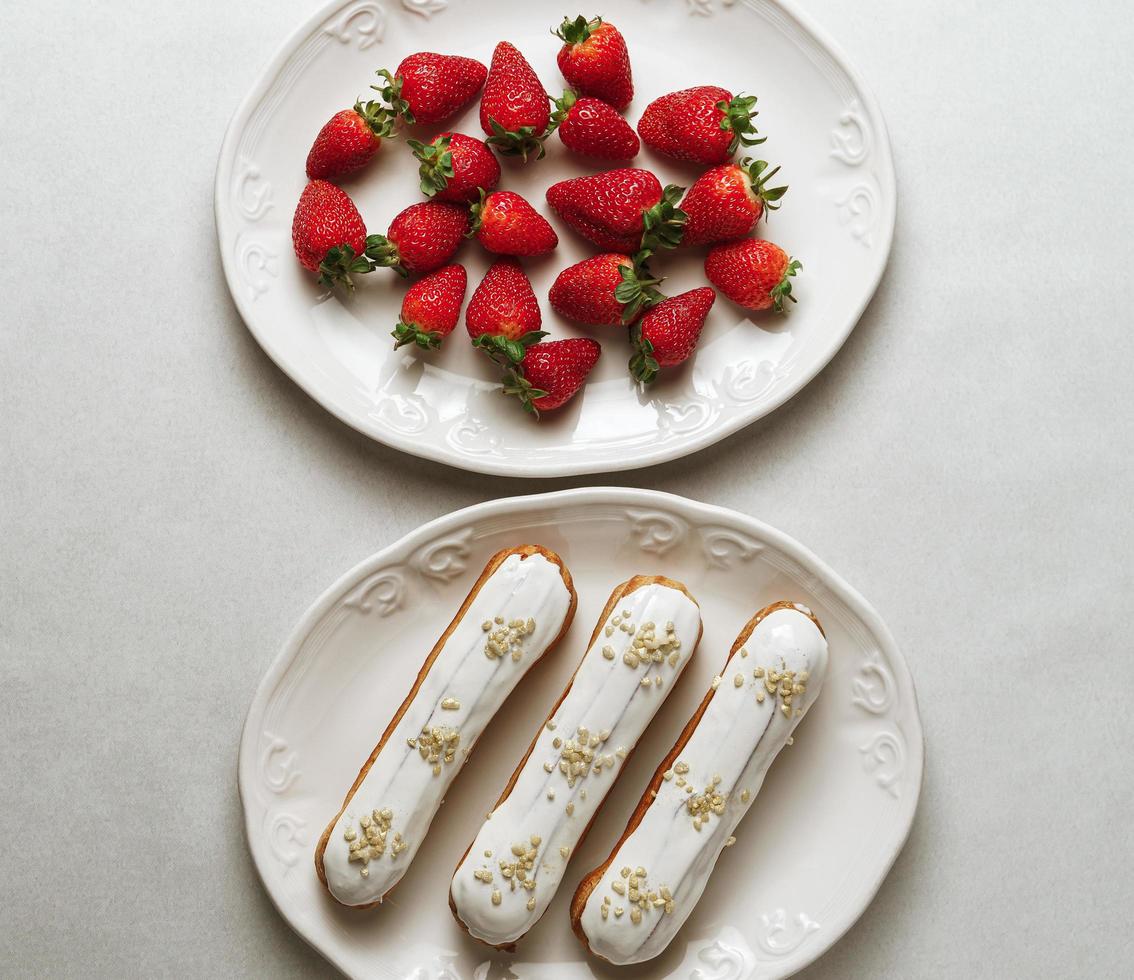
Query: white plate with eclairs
(823, 129)
(807, 858)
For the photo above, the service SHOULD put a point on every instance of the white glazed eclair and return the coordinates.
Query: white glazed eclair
(508, 876)
(517, 610)
(629, 909)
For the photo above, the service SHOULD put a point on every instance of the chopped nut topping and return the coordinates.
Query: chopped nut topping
(738, 681)
(436, 744)
(451, 704)
(372, 844)
(496, 896)
(507, 639)
(730, 842)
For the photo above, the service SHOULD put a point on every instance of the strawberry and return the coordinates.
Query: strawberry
(348, 141)
(606, 290)
(514, 109)
(455, 167)
(431, 308)
(328, 234)
(542, 375)
(503, 304)
(620, 210)
(429, 87)
(594, 60)
(704, 124)
(667, 334)
(550, 374)
(726, 202)
(421, 238)
(752, 273)
(506, 224)
(592, 128)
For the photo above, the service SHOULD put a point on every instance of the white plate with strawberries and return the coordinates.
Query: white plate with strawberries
(808, 857)
(622, 273)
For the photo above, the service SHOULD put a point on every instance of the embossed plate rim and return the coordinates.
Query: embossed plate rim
(694, 514)
(615, 458)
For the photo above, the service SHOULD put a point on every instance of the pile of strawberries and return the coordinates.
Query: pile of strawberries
(625, 212)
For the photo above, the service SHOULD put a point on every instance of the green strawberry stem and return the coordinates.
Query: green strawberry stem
(409, 333)
(516, 384)
(375, 115)
(436, 164)
(643, 366)
(637, 291)
(578, 30)
(522, 142)
(339, 264)
(737, 118)
(664, 223)
(509, 354)
(392, 93)
(476, 215)
(563, 106)
(384, 254)
(759, 175)
(782, 290)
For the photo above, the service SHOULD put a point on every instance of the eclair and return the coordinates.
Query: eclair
(629, 908)
(508, 876)
(517, 610)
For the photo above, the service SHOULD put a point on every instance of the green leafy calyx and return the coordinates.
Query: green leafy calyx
(409, 333)
(664, 223)
(643, 365)
(578, 30)
(509, 354)
(563, 106)
(758, 176)
(376, 117)
(392, 93)
(384, 253)
(522, 142)
(436, 168)
(339, 264)
(782, 290)
(638, 289)
(737, 119)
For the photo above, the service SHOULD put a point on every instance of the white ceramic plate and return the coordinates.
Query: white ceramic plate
(824, 128)
(837, 805)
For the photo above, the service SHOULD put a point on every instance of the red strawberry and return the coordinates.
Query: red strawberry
(506, 224)
(726, 202)
(594, 60)
(431, 308)
(605, 290)
(667, 334)
(704, 124)
(429, 87)
(514, 110)
(455, 167)
(620, 210)
(504, 304)
(329, 235)
(753, 273)
(592, 128)
(551, 373)
(420, 239)
(348, 141)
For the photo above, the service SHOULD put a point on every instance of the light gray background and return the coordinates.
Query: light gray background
(172, 502)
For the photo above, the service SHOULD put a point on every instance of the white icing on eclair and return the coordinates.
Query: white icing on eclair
(516, 864)
(660, 870)
(518, 611)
